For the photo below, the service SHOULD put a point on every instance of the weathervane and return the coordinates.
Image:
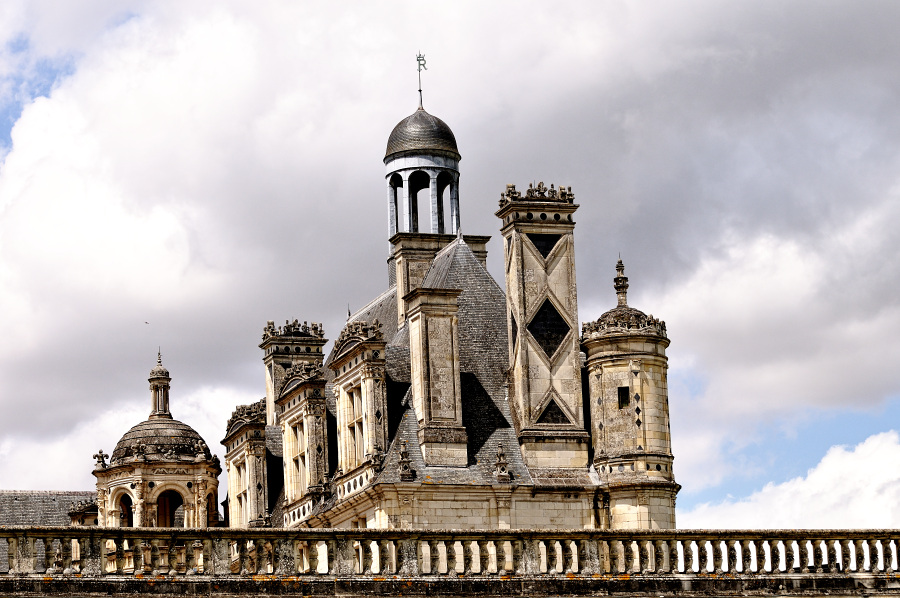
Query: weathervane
(420, 61)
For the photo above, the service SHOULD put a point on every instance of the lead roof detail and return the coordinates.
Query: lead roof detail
(421, 132)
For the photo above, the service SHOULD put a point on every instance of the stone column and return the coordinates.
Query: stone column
(392, 208)
(454, 205)
(437, 217)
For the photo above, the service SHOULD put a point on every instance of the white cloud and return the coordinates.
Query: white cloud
(856, 487)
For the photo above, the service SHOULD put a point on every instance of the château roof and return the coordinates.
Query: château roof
(160, 438)
(421, 132)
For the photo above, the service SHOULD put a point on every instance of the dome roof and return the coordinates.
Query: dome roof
(421, 132)
(162, 438)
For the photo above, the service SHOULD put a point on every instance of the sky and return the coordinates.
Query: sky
(176, 174)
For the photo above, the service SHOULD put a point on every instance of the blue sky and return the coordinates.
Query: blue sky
(208, 167)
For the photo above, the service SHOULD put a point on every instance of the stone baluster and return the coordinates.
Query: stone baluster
(859, 556)
(746, 563)
(820, 553)
(873, 555)
(384, 560)
(65, 547)
(612, 553)
(485, 567)
(643, 556)
(660, 548)
(628, 560)
(366, 557)
(703, 555)
(891, 550)
(508, 564)
(688, 547)
(844, 545)
(672, 556)
(804, 554)
(554, 557)
(470, 559)
(719, 554)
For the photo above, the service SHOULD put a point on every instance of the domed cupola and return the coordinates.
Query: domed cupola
(422, 155)
(421, 132)
(161, 473)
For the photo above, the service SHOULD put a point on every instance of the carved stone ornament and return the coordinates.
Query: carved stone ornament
(406, 471)
(501, 467)
(293, 330)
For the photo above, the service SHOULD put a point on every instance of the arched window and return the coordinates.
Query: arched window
(170, 509)
(444, 186)
(126, 512)
(418, 181)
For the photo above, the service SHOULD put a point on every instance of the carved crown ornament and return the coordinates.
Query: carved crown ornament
(356, 332)
(538, 193)
(255, 413)
(304, 371)
(293, 330)
(623, 319)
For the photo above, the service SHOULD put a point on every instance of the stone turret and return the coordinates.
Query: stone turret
(629, 406)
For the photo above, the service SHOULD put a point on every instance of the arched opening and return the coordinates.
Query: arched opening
(170, 509)
(126, 512)
(418, 181)
(395, 184)
(444, 186)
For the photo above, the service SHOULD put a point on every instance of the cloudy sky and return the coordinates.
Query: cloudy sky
(175, 174)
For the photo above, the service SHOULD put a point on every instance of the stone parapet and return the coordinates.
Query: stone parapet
(217, 561)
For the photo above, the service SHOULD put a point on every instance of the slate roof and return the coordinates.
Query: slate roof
(421, 132)
(483, 363)
(39, 507)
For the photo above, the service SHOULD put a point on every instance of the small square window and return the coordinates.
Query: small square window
(624, 391)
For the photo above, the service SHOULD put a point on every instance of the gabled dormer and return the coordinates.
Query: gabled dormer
(359, 390)
(302, 414)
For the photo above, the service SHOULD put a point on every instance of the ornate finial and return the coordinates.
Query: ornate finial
(406, 471)
(621, 283)
(159, 356)
(101, 457)
(501, 467)
(420, 61)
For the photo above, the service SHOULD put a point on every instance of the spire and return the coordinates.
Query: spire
(159, 389)
(620, 282)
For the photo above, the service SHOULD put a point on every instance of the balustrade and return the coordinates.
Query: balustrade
(413, 553)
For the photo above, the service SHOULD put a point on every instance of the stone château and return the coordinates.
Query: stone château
(452, 401)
